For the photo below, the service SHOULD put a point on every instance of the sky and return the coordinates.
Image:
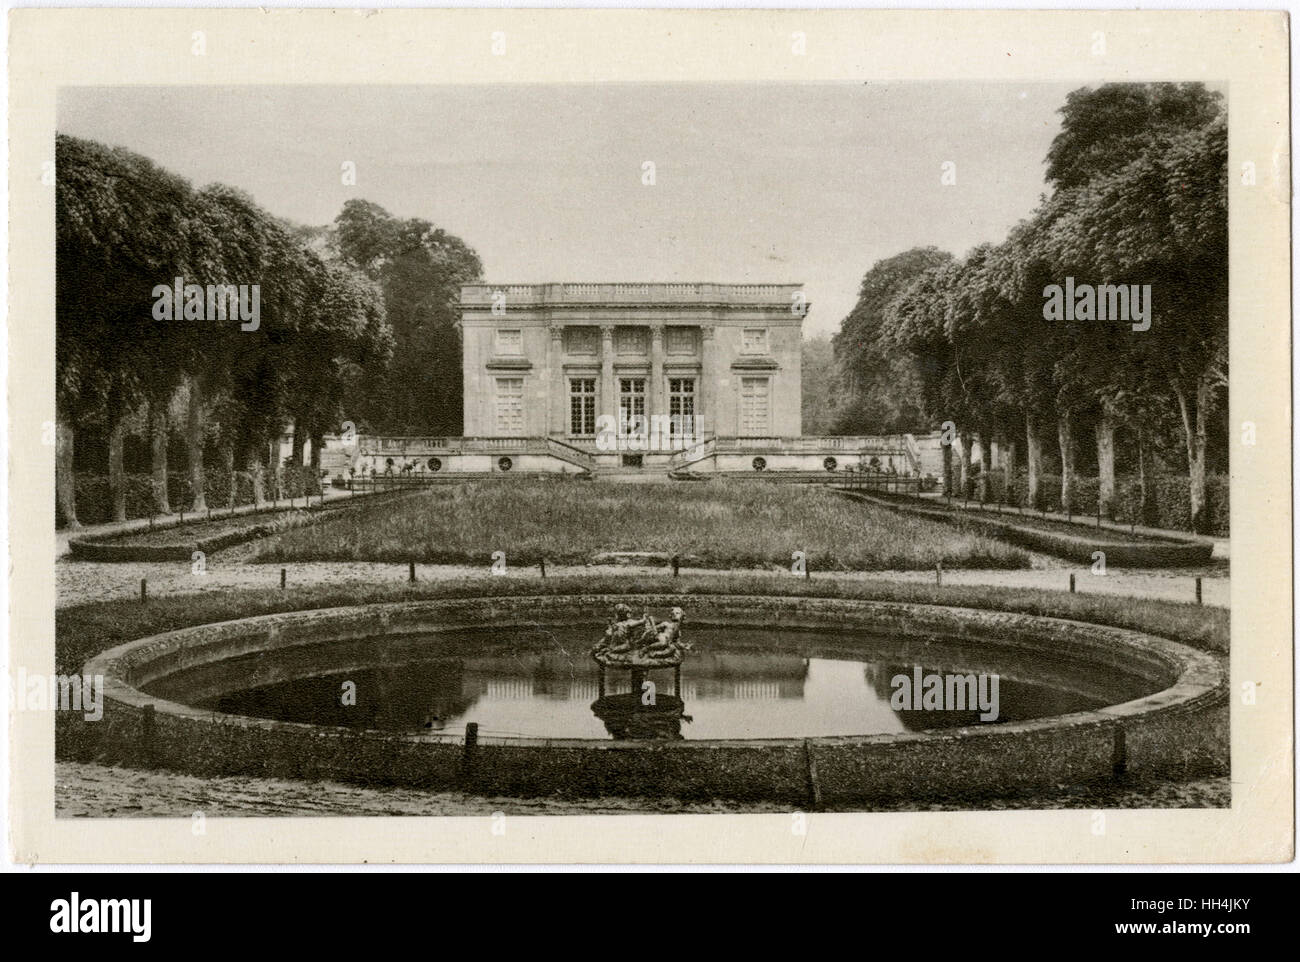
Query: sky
(759, 183)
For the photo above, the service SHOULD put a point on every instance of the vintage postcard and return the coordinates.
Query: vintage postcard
(649, 436)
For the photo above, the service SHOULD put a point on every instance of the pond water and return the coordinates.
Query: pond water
(737, 683)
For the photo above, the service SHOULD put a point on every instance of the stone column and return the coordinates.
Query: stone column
(559, 388)
(706, 388)
(655, 402)
(608, 391)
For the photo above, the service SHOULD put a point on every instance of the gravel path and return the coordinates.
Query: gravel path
(82, 581)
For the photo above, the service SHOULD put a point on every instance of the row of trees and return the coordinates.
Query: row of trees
(1138, 178)
(334, 305)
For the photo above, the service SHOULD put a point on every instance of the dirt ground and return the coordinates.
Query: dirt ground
(88, 790)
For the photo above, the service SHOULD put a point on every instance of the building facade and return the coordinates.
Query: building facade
(597, 379)
(632, 372)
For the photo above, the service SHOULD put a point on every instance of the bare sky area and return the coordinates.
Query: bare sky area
(757, 183)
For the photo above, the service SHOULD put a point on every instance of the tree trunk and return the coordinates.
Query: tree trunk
(965, 480)
(158, 447)
(1034, 458)
(299, 441)
(228, 465)
(1106, 464)
(116, 468)
(256, 473)
(64, 478)
(317, 442)
(194, 446)
(1144, 485)
(1194, 432)
(947, 469)
(1065, 438)
(986, 464)
(1008, 452)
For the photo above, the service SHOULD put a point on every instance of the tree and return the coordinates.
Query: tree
(1139, 177)
(121, 228)
(126, 227)
(420, 269)
(879, 384)
(915, 321)
(1154, 212)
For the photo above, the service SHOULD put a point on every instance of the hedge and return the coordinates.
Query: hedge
(95, 500)
(1169, 505)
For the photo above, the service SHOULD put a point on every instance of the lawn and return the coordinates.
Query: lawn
(714, 525)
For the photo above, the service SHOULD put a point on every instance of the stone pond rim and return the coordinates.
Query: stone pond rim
(1180, 730)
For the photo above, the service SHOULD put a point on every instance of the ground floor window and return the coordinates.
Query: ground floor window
(510, 406)
(631, 404)
(582, 406)
(681, 405)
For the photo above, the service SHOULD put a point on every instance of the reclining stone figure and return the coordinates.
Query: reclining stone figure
(641, 642)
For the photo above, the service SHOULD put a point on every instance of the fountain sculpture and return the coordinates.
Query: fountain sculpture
(640, 645)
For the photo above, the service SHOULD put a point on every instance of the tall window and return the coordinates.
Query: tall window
(510, 342)
(582, 406)
(681, 405)
(753, 340)
(754, 396)
(510, 406)
(631, 404)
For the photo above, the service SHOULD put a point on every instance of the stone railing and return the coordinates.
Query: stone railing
(696, 452)
(884, 445)
(426, 446)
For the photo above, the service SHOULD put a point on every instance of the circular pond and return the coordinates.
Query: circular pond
(737, 683)
(799, 699)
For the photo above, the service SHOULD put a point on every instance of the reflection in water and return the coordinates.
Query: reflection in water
(628, 716)
(735, 685)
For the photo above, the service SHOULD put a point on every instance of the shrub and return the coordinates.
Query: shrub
(1168, 505)
(95, 500)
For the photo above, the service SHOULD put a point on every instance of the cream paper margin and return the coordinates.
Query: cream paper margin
(53, 48)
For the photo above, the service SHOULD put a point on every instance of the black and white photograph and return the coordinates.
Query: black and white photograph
(653, 447)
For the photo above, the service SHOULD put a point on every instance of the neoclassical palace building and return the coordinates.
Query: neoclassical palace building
(631, 378)
(632, 372)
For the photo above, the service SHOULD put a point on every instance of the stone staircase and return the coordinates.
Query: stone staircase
(653, 475)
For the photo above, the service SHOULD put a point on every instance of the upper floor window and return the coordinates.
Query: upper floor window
(582, 340)
(680, 340)
(753, 340)
(510, 342)
(630, 340)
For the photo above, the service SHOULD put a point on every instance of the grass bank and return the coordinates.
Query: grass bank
(716, 525)
(85, 630)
